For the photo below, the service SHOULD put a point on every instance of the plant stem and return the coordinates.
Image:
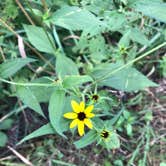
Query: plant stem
(147, 136)
(29, 84)
(26, 43)
(57, 39)
(24, 11)
(131, 62)
(135, 153)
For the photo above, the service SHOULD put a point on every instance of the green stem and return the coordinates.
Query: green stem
(135, 153)
(131, 62)
(13, 112)
(57, 39)
(29, 84)
(146, 146)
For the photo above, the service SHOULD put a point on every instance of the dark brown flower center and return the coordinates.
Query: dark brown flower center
(105, 134)
(95, 97)
(81, 116)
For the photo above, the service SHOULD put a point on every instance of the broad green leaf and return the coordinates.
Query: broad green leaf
(129, 79)
(97, 54)
(125, 39)
(153, 9)
(39, 39)
(65, 66)
(73, 81)
(28, 98)
(115, 20)
(118, 163)
(90, 47)
(86, 140)
(10, 67)
(113, 142)
(3, 139)
(74, 18)
(44, 130)
(6, 124)
(56, 107)
(42, 94)
(137, 36)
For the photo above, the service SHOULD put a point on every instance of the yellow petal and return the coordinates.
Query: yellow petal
(89, 109)
(82, 106)
(75, 106)
(70, 115)
(88, 123)
(90, 115)
(80, 128)
(74, 123)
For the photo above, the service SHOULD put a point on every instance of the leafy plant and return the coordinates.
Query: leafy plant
(87, 66)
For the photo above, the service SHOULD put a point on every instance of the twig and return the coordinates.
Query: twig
(21, 157)
(44, 5)
(27, 44)
(25, 13)
(6, 158)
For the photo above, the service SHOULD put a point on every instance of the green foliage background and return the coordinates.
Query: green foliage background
(55, 51)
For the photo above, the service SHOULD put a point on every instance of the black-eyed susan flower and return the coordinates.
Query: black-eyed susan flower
(109, 139)
(81, 116)
(105, 134)
(95, 97)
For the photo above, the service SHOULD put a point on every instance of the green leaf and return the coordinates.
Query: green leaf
(74, 18)
(73, 81)
(129, 79)
(137, 36)
(148, 116)
(129, 129)
(118, 163)
(3, 139)
(156, 10)
(39, 39)
(42, 94)
(27, 96)
(125, 39)
(63, 163)
(10, 67)
(56, 107)
(115, 118)
(126, 114)
(115, 20)
(162, 164)
(113, 142)
(6, 124)
(97, 53)
(44, 130)
(65, 66)
(86, 140)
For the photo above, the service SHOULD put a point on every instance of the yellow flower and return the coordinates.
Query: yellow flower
(81, 116)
